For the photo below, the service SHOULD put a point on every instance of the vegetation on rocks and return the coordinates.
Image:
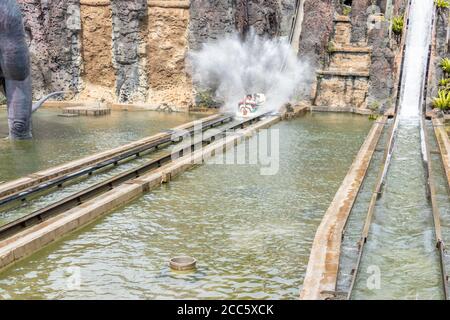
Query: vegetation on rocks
(346, 10)
(398, 23)
(2, 99)
(445, 65)
(444, 84)
(442, 4)
(442, 101)
(205, 99)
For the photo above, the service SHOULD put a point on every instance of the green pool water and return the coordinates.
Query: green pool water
(58, 140)
(250, 233)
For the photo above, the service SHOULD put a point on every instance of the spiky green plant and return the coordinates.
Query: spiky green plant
(442, 101)
(398, 23)
(445, 65)
(442, 4)
(444, 84)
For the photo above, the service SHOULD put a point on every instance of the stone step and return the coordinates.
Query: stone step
(351, 49)
(343, 73)
(88, 111)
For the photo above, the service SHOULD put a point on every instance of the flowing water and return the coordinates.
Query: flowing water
(58, 140)
(400, 260)
(250, 233)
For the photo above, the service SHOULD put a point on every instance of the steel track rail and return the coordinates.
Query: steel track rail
(125, 156)
(431, 186)
(375, 196)
(431, 190)
(100, 188)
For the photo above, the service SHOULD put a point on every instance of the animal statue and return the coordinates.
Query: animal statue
(15, 77)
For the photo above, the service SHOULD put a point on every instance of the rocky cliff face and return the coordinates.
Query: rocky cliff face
(359, 16)
(54, 34)
(264, 16)
(382, 69)
(316, 29)
(167, 44)
(386, 58)
(440, 51)
(129, 24)
(135, 51)
(210, 19)
(98, 71)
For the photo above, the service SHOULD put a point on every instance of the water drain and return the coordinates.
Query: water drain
(183, 264)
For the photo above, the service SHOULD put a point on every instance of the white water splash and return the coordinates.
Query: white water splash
(233, 68)
(417, 42)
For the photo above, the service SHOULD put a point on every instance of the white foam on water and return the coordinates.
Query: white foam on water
(234, 67)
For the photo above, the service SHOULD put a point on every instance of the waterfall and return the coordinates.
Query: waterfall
(417, 43)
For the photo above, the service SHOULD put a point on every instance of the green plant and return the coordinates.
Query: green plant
(346, 10)
(2, 99)
(442, 101)
(373, 117)
(445, 65)
(442, 4)
(331, 47)
(444, 84)
(205, 99)
(398, 23)
(375, 105)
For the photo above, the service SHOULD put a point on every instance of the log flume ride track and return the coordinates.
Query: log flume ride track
(222, 124)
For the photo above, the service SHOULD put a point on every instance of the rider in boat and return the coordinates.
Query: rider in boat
(248, 105)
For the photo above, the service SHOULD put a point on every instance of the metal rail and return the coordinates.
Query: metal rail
(431, 188)
(375, 196)
(167, 139)
(100, 188)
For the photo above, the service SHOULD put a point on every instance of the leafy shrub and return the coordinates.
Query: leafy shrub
(205, 99)
(442, 4)
(398, 23)
(444, 84)
(442, 101)
(445, 65)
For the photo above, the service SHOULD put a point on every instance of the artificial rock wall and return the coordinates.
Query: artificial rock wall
(134, 51)
(98, 71)
(53, 31)
(358, 60)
